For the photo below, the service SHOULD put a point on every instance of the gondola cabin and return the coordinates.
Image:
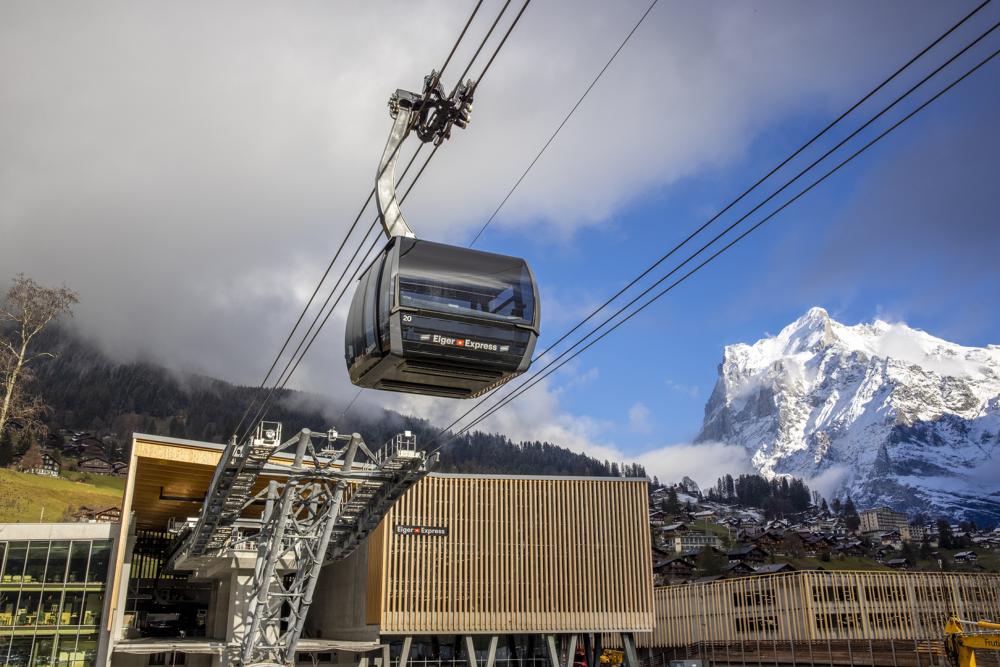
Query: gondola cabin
(429, 318)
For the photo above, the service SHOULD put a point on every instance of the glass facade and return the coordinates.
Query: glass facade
(51, 599)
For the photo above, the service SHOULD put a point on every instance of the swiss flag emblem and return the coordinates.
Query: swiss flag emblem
(460, 342)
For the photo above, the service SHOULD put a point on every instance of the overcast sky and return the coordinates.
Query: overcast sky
(189, 168)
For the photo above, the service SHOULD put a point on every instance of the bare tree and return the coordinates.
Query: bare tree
(26, 310)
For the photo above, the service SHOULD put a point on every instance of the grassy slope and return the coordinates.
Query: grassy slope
(22, 496)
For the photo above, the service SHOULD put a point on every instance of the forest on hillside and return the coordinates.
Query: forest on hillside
(87, 391)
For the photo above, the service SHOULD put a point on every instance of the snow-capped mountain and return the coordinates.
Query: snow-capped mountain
(885, 412)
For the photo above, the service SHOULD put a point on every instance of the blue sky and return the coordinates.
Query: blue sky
(813, 253)
(189, 169)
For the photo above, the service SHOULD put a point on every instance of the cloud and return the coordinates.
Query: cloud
(703, 462)
(189, 168)
(638, 419)
(830, 481)
(689, 390)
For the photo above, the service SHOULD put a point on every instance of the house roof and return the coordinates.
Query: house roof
(774, 568)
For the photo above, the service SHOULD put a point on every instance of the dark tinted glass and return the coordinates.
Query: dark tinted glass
(456, 280)
(17, 552)
(58, 555)
(99, 557)
(370, 283)
(8, 603)
(38, 552)
(79, 555)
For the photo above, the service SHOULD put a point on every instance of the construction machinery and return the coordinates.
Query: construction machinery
(963, 638)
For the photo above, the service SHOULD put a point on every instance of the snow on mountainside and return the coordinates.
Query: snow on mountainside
(887, 413)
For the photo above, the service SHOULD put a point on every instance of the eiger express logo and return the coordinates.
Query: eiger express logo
(438, 339)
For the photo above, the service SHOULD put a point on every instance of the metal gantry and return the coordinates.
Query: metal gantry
(316, 510)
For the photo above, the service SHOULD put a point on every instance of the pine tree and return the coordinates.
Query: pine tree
(851, 518)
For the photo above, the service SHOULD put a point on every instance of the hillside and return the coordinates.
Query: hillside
(24, 497)
(87, 390)
(892, 415)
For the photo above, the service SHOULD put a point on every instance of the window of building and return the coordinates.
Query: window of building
(72, 609)
(48, 612)
(27, 608)
(100, 555)
(166, 659)
(92, 608)
(55, 573)
(34, 568)
(13, 569)
(79, 554)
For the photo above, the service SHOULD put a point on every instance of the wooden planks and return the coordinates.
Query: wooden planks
(841, 606)
(521, 555)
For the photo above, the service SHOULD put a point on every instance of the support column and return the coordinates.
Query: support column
(571, 651)
(386, 657)
(628, 643)
(491, 654)
(404, 655)
(550, 644)
(470, 650)
(588, 651)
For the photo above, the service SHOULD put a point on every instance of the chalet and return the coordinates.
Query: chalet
(851, 548)
(48, 467)
(739, 569)
(95, 464)
(89, 515)
(750, 553)
(108, 515)
(774, 568)
(899, 563)
(674, 529)
(751, 527)
(703, 515)
(791, 544)
(965, 557)
(672, 569)
(119, 468)
(770, 539)
(891, 538)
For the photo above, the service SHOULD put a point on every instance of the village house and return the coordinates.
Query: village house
(750, 553)
(95, 464)
(899, 563)
(48, 466)
(695, 541)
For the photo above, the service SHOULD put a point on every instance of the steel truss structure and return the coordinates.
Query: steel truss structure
(320, 510)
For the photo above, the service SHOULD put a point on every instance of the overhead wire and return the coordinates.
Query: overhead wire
(290, 368)
(728, 206)
(672, 251)
(736, 240)
(559, 128)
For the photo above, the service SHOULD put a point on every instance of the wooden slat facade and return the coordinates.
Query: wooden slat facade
(521, 555)
(820, 607)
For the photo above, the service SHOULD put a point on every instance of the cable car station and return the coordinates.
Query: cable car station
(468, 569)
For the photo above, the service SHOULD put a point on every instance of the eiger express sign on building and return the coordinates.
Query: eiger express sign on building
(422, 530)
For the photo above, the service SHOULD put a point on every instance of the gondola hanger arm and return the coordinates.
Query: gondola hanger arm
(431, 116)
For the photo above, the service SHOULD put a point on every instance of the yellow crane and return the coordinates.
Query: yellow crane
(961, 646)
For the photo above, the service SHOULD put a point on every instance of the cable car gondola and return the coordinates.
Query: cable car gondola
(429, 318)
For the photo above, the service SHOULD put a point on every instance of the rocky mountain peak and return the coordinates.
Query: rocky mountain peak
(886, 412)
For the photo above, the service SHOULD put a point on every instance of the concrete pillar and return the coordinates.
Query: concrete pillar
(228, 617)
(571, 651)
(550, 644)
(470, 650)
(404, 655)
(491, 655)
(628, 643)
